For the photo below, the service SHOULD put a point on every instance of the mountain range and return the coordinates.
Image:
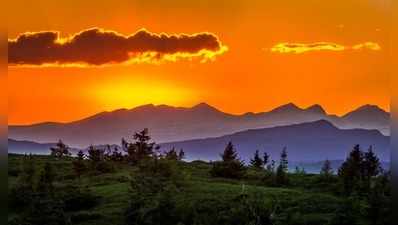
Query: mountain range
(310, 141)
(305, 142)
(172, 124)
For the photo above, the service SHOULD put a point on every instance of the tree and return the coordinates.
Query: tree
(229, 153)
(78, 165)
(60, 150)
(230, 166)
(257, 162)
(116, 155)
(47, 178)
(171, 154)
(326, 170)
(371, 164)
(181, 154)
(266, 159)
(95, 155)
(351, 170)
(281, 172)
(141, 149)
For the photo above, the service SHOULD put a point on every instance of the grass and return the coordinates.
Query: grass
(113, 191)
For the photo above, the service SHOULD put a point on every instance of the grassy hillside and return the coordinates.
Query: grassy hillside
(306, 200)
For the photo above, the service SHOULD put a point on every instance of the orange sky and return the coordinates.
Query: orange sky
(248, 77)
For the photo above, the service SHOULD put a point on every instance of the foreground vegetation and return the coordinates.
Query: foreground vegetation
(145, 186)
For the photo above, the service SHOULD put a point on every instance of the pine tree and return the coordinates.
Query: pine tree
(60, 150)
(326, 170)
(78, 165)
(181, 154)
(351, 170)
(266, 158)
(229, 153)
(171, 154)
(141, 149)
(371, 164)
(281, 172)
(257, 162)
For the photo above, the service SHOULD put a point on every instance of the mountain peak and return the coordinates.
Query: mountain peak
(316, 109)
(367, 110)
(290, 107)
(369, 107)
(204, 106)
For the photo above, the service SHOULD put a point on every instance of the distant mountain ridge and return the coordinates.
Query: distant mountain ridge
(311, 141)
(168, 124)
(306, 142)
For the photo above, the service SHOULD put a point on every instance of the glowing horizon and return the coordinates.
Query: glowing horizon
(216, 53)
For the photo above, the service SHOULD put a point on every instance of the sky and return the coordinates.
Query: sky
(84, 57)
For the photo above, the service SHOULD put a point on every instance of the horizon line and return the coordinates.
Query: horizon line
(205, 103)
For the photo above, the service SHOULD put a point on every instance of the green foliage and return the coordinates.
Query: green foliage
(160, 191)
(358, 170)
(230, 166)
(173, 155)
(79, 167)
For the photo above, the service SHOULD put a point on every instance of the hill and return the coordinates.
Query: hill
(312, 141)
(169, 124)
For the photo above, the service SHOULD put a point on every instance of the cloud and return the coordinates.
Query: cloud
(299, 48)
(101, 47)
(367, 45)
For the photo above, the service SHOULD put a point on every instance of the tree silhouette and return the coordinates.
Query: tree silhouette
(60, 150)
(257, 162)
(141, 149)
(229, 153)
(326, 170)
(281, 172)
(266, 159)
(351, 170)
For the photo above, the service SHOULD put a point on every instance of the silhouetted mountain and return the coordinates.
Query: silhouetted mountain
(366, 117)
(167, 123)
(312, 141)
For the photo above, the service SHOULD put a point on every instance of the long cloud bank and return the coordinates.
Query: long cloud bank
(299, 48)
(97, 47)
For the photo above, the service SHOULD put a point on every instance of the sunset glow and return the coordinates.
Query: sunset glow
(237, 57)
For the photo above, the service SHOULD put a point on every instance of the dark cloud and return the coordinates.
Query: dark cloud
(98, 47)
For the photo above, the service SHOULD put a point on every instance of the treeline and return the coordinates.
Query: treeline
(159, 180)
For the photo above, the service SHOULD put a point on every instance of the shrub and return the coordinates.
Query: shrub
(229, 169)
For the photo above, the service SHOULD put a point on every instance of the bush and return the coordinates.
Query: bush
(229, 169)
(76, 200)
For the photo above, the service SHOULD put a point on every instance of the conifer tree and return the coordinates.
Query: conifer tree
(281, 172)
(229, 153)
(326, 170)
(266, 158)
(181, 154)
(257, 162)
(141, 149)
(351, 170)
(371, 164)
